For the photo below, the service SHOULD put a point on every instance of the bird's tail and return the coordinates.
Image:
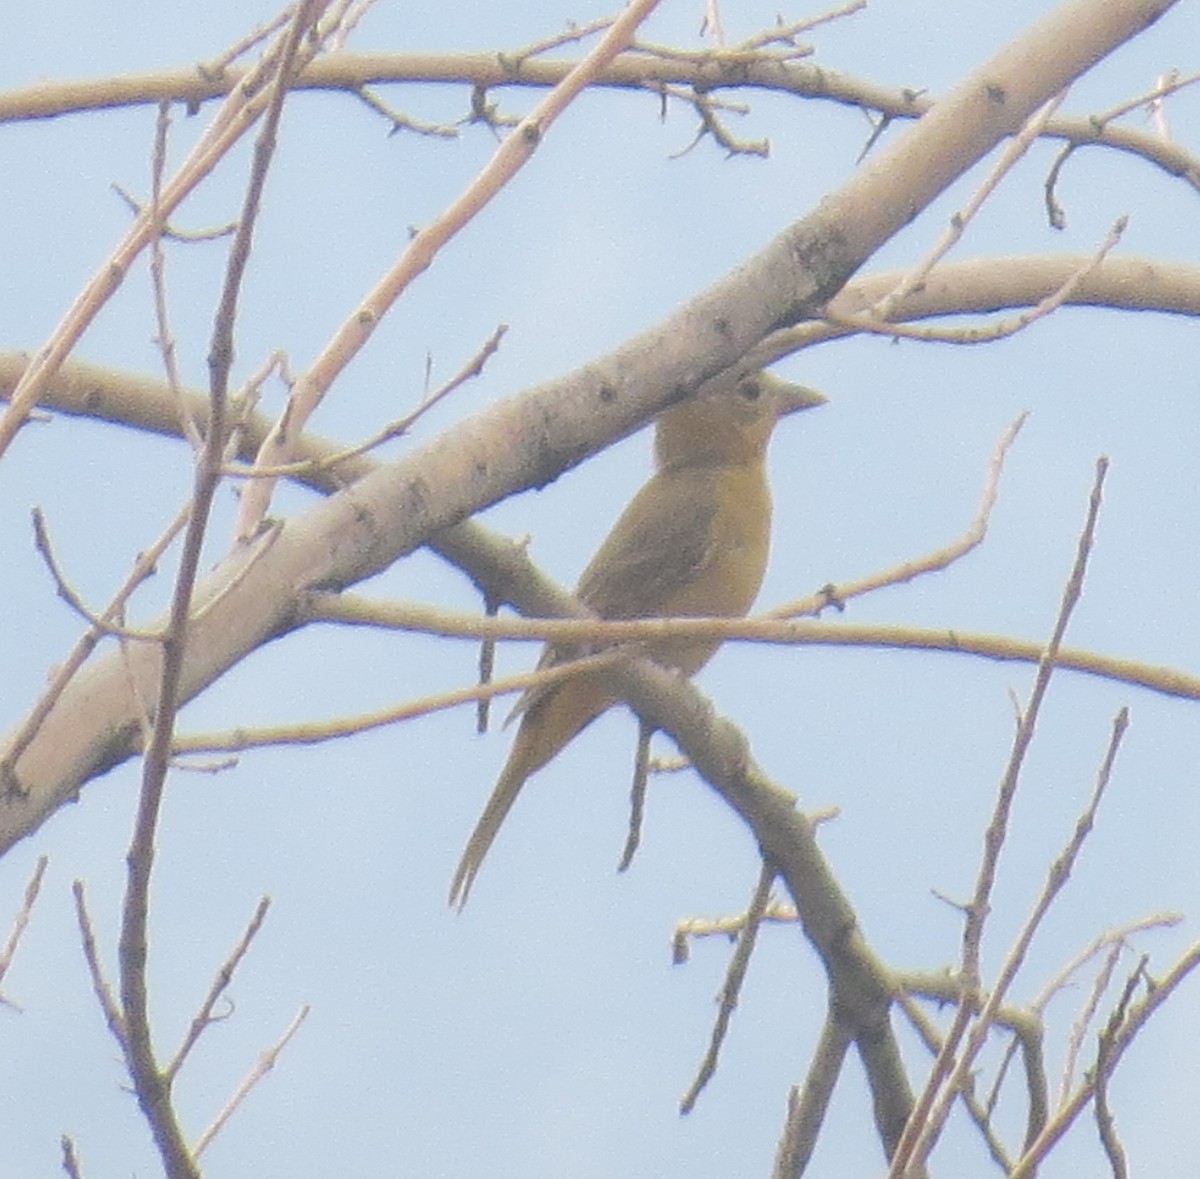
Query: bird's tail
(516, 770)
(546, 726)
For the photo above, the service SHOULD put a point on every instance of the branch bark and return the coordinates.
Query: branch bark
(529, 440)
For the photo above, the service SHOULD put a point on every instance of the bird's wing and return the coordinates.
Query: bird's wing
(659, 543)
(662, 540)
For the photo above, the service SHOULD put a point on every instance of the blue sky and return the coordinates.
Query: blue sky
(544, 1031)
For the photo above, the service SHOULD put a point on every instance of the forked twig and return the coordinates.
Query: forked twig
(953, 1065)
(512, 155)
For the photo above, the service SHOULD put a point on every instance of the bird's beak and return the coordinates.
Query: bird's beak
(791, 398)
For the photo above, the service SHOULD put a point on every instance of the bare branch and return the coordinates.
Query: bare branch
(512, 155)
(245, 103)
(266, 1062)
(315, 732)
(98, 622)
(1009, 157)
(220, 984)
(953, 1065)
(21, 921)
(932, 562)
(807, 1107)
(153, 1086)
(473, 368)
(100, 985)
(70, 1158)
(739, 963)
(143, 568)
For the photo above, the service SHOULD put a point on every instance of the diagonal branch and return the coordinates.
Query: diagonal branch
(529, 440)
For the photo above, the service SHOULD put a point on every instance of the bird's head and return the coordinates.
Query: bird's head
(729, 420)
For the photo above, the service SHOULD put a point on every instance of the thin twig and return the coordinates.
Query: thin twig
(734, 978)
(100, 986)
(1009, 157)
(153, 1087)
(1136, 1019)
(98, 622)
(65, 672)
(158, 279)
(1168, 85)
(21, 921)
(266, 1062)
(933, 562)
(1101, 945)
(786, 33)
(217, 67)
(1105, 1123)
(473, 368)
(356, 610)
(999, 329)
(946, 1079)
(573, 34)
(241, 108)
(236, 740)
(171, 232)
(224, 976)
(931, 1037)
(401, 122)
(710, 125)
(513, 153)
(70, 1158)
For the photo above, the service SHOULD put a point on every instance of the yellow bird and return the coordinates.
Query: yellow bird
(692, 543)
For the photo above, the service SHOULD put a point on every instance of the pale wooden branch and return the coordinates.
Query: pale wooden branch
(316, 732)
(967, 1033)
(956, 288)
(241, 109)
(1171, 84)
(64, 589)
(785, 34)
(354, 610)
(932, 562)
(504, 573)
(352, 73)
(1136, 1018)
(152, 1085)
(808, 1105)
(573, 34)
(217, 67)
(1013, 152)
(100, 985)
(21, 921)
(158, 280)
(70, 1158)
(735, 976)
(143, 568)
(266, 1062)
(931, 1037)
(514, 152)
(1110, 943)
(352, 536)
(204, 1017)
(473, 368)
(1001, 329)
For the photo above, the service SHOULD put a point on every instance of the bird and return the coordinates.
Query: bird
(693, 542)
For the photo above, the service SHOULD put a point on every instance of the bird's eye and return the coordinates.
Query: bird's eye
(750, 389)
